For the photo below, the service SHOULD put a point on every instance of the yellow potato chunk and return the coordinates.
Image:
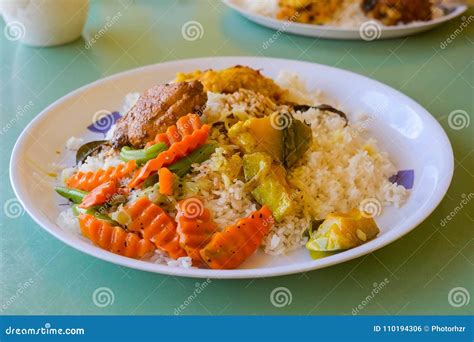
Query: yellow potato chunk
(341, 231)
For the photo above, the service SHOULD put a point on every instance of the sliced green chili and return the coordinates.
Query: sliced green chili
(78, 211)
(73, 195)
(183, 166)
(143, 155)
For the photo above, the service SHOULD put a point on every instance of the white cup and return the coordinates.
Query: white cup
(44, 22)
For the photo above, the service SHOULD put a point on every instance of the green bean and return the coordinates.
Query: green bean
(183, 166)
(73, 195)
(143, 155)
(78, 211)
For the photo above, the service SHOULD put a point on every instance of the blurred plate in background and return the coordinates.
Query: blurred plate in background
(368, 31)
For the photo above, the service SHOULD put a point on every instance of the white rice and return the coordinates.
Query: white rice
(297, 90)
(224, 195)
(267, 8)
(68, 221)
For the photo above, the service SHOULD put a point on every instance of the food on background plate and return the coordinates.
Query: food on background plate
(392, 12)
(350, 13)
(203, 175)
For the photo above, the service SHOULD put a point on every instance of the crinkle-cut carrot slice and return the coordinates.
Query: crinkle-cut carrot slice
(232, 246)
(154, 224)
(176, 151)
(185, 125)
(195, 227)
(100, 195)
(87, 181)
(113, 238)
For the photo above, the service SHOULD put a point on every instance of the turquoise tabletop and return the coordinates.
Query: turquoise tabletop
(428, 271)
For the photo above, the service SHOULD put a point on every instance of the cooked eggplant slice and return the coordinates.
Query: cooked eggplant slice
(323, 107)
(297, 139)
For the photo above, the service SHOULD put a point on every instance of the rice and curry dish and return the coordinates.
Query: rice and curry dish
(351, 13)
(205, 170)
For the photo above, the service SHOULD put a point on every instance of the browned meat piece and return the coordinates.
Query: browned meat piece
(392, 12)
(156, 109)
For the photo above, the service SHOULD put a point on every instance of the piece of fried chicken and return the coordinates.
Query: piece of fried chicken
(156, 109)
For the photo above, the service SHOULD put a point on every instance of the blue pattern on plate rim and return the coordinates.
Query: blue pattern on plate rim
(405, 178)
(104, 123)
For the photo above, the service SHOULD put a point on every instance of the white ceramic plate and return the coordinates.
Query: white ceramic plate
(368, 31)
(408, 132)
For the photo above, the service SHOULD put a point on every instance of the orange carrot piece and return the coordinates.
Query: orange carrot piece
(188, 123)
(173, 134)
(185, 125)
(176, 151)
(113, 238)
(195, 227)
(87, 181)
(166, 179)
(100, 195)
(232, 246)
(152, 223)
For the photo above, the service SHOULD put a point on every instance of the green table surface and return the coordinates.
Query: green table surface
(41, 275)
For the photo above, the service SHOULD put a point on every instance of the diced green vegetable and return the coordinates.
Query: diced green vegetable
(269, 184)
(73, 195)
(256, 165)
(183, 166)
(78, 211)
(297, 140)
(341, 231)
(143, 155)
